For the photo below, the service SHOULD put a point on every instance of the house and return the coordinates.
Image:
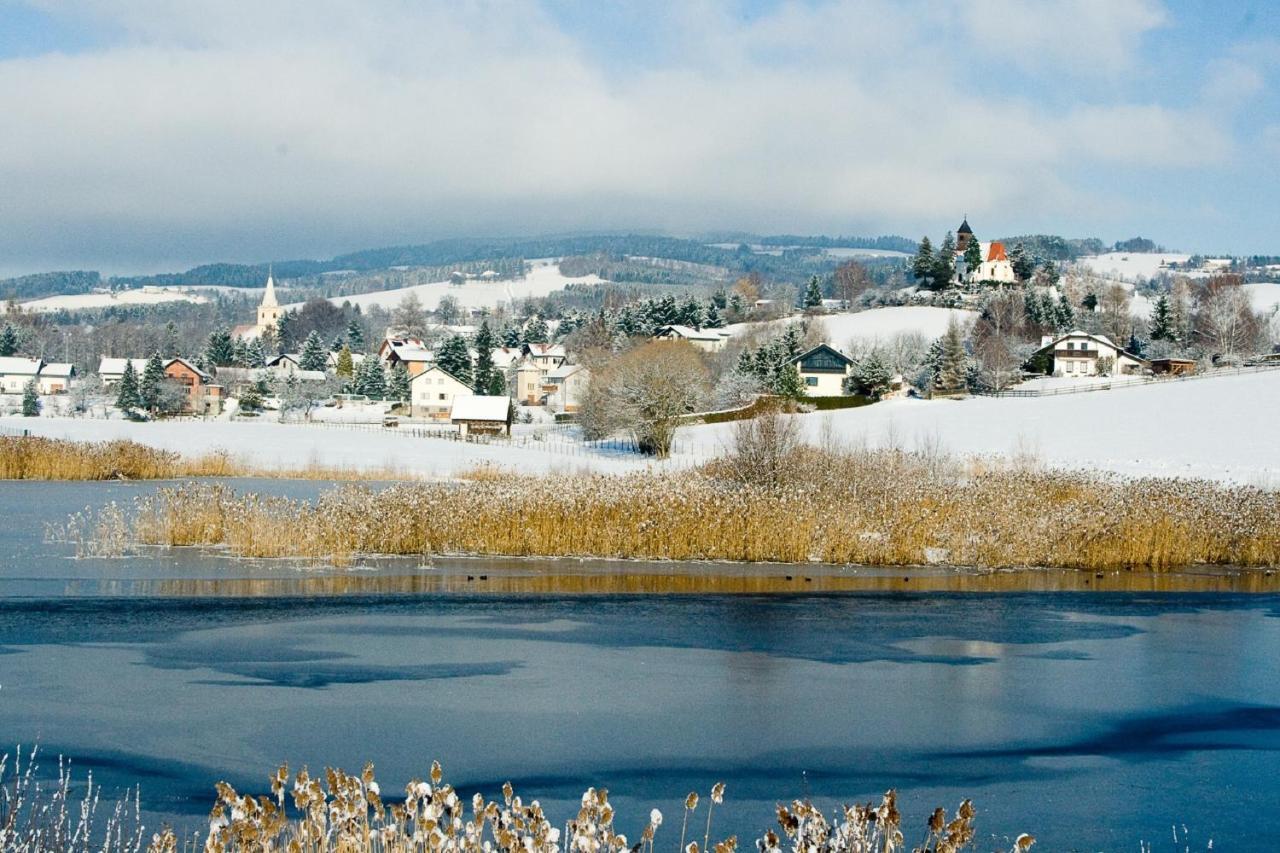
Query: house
(111, 370)
(357, 358)
(529, 383)
(287, 362)
(481, 414)
(823, 371)
(269, 312)
(432, 392)
(16, 372)
(565, 387)
(505, 358)
(1081, 353)
(707, 340)
(545, 356)
(204, 396)
(55, 378)
(411, 352)
(1173, 366)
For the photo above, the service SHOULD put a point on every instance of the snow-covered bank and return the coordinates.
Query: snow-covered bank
(875, 325)
(85, 301)
(1219, 428)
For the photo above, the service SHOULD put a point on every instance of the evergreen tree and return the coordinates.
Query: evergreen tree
(944, 264)
(1136, 346)
(485, 370)
(268, 343)
(398, 384)
(1066, 315)
(8, 340)
(30, 400)
(1023, 264)
(284, 331)
(813, 293)
(346, 365)
(355, 336)
(313, 353)
(511, 336)
(254, 354)
(1162, 320)
(220, 351)
(454, 358)
(149, 388)
(922, 264)
(1049, 273)
(128, 397)
(953, 367)
(1090, 302)
(172, 346)
(972, 258)
(787, 383)
(720, 300)
(872, 376)
(714, 319)
(691, 313)
(536, 331)
(371, 380)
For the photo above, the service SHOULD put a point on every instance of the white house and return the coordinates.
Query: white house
(823, 371)
(16, 372)
(1079, 353)
(111, 370)
(529, 383)
(55, 378)
(432, 392)
(545, 356)
(707, 340)
(565, 387)
(480, 413)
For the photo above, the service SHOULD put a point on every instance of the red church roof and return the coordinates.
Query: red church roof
(996, 252)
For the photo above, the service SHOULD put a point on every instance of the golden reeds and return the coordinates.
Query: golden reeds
(868, 507)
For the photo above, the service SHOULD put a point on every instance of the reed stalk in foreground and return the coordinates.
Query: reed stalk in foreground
(881, 507)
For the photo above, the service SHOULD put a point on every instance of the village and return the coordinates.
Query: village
(946, 338)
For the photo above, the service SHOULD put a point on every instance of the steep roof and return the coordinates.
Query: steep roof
(996, 252)
(839, 355)
(269, 297)
(480, 407)
(19, 366)
(964, 227)
(437, 368)
(111, 366)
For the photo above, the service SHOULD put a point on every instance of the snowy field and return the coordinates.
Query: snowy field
(544, 278)
(1265, 296)
(1219, 428)
(877, 324)
(84, 301)
(1131, 266)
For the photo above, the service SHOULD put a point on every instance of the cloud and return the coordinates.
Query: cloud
(246, 130)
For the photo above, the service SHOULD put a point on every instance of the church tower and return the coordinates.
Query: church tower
(963, 235)
(269, 310)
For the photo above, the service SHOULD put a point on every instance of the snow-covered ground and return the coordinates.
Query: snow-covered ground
(878, 324)
(1220, 428)
(1265, 296)
(1132, 265)
(83, 301)
(544, 278)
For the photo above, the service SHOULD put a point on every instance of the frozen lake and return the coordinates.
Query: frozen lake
(1091, 719)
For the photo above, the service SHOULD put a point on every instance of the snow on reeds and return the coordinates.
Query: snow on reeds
(869, 507)
(38, 458)
(38, 815)
(349, 813)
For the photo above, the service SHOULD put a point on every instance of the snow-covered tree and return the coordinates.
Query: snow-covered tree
(345, 367)
(149, 387)
(8, 340)
(455, 359)
(922, 264)
(813, 293)
(314, 356)
(398, 383)
(953, 367)
(30, 400)
(128, 397)
(220, 351)
(872, 376)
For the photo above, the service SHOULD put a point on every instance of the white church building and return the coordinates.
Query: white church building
(268, 313)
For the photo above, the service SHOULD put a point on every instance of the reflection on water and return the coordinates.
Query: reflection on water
(1095, 712)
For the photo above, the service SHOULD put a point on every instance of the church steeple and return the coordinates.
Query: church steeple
(269, 298)
(269, 311)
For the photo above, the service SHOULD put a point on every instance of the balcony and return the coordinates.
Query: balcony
(1076, 353)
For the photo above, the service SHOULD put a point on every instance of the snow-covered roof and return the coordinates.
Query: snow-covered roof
(19, 366)
(480, 408)
(506, 356)
(59, 369)
(115, 366)
(564, 371)
(436, 368)
(689, 333)
(205, 376)
(546, 350)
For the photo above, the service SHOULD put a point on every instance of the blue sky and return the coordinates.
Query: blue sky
(153, 134)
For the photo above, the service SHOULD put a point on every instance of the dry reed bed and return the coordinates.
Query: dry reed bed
(869, 507)
(38, 458)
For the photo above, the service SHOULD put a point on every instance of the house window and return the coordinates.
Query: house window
(1071, 346)
(811, 380)
(441, 396)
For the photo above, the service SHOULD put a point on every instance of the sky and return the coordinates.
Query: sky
(150, 135)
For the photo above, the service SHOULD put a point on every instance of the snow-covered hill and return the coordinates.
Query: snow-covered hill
(877, 324)
(543, 279)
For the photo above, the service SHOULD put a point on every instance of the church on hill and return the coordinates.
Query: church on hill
(995, 265)
(268, 313)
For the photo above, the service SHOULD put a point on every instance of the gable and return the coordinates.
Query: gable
(822, 359)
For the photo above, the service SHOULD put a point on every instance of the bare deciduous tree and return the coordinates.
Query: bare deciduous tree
(646, 390)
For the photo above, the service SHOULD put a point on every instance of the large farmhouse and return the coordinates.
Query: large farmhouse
(432, 392)
(1084, 354)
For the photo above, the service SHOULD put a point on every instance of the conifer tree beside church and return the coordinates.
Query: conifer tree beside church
(922, 264)
(972, 257)
(313, 355)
